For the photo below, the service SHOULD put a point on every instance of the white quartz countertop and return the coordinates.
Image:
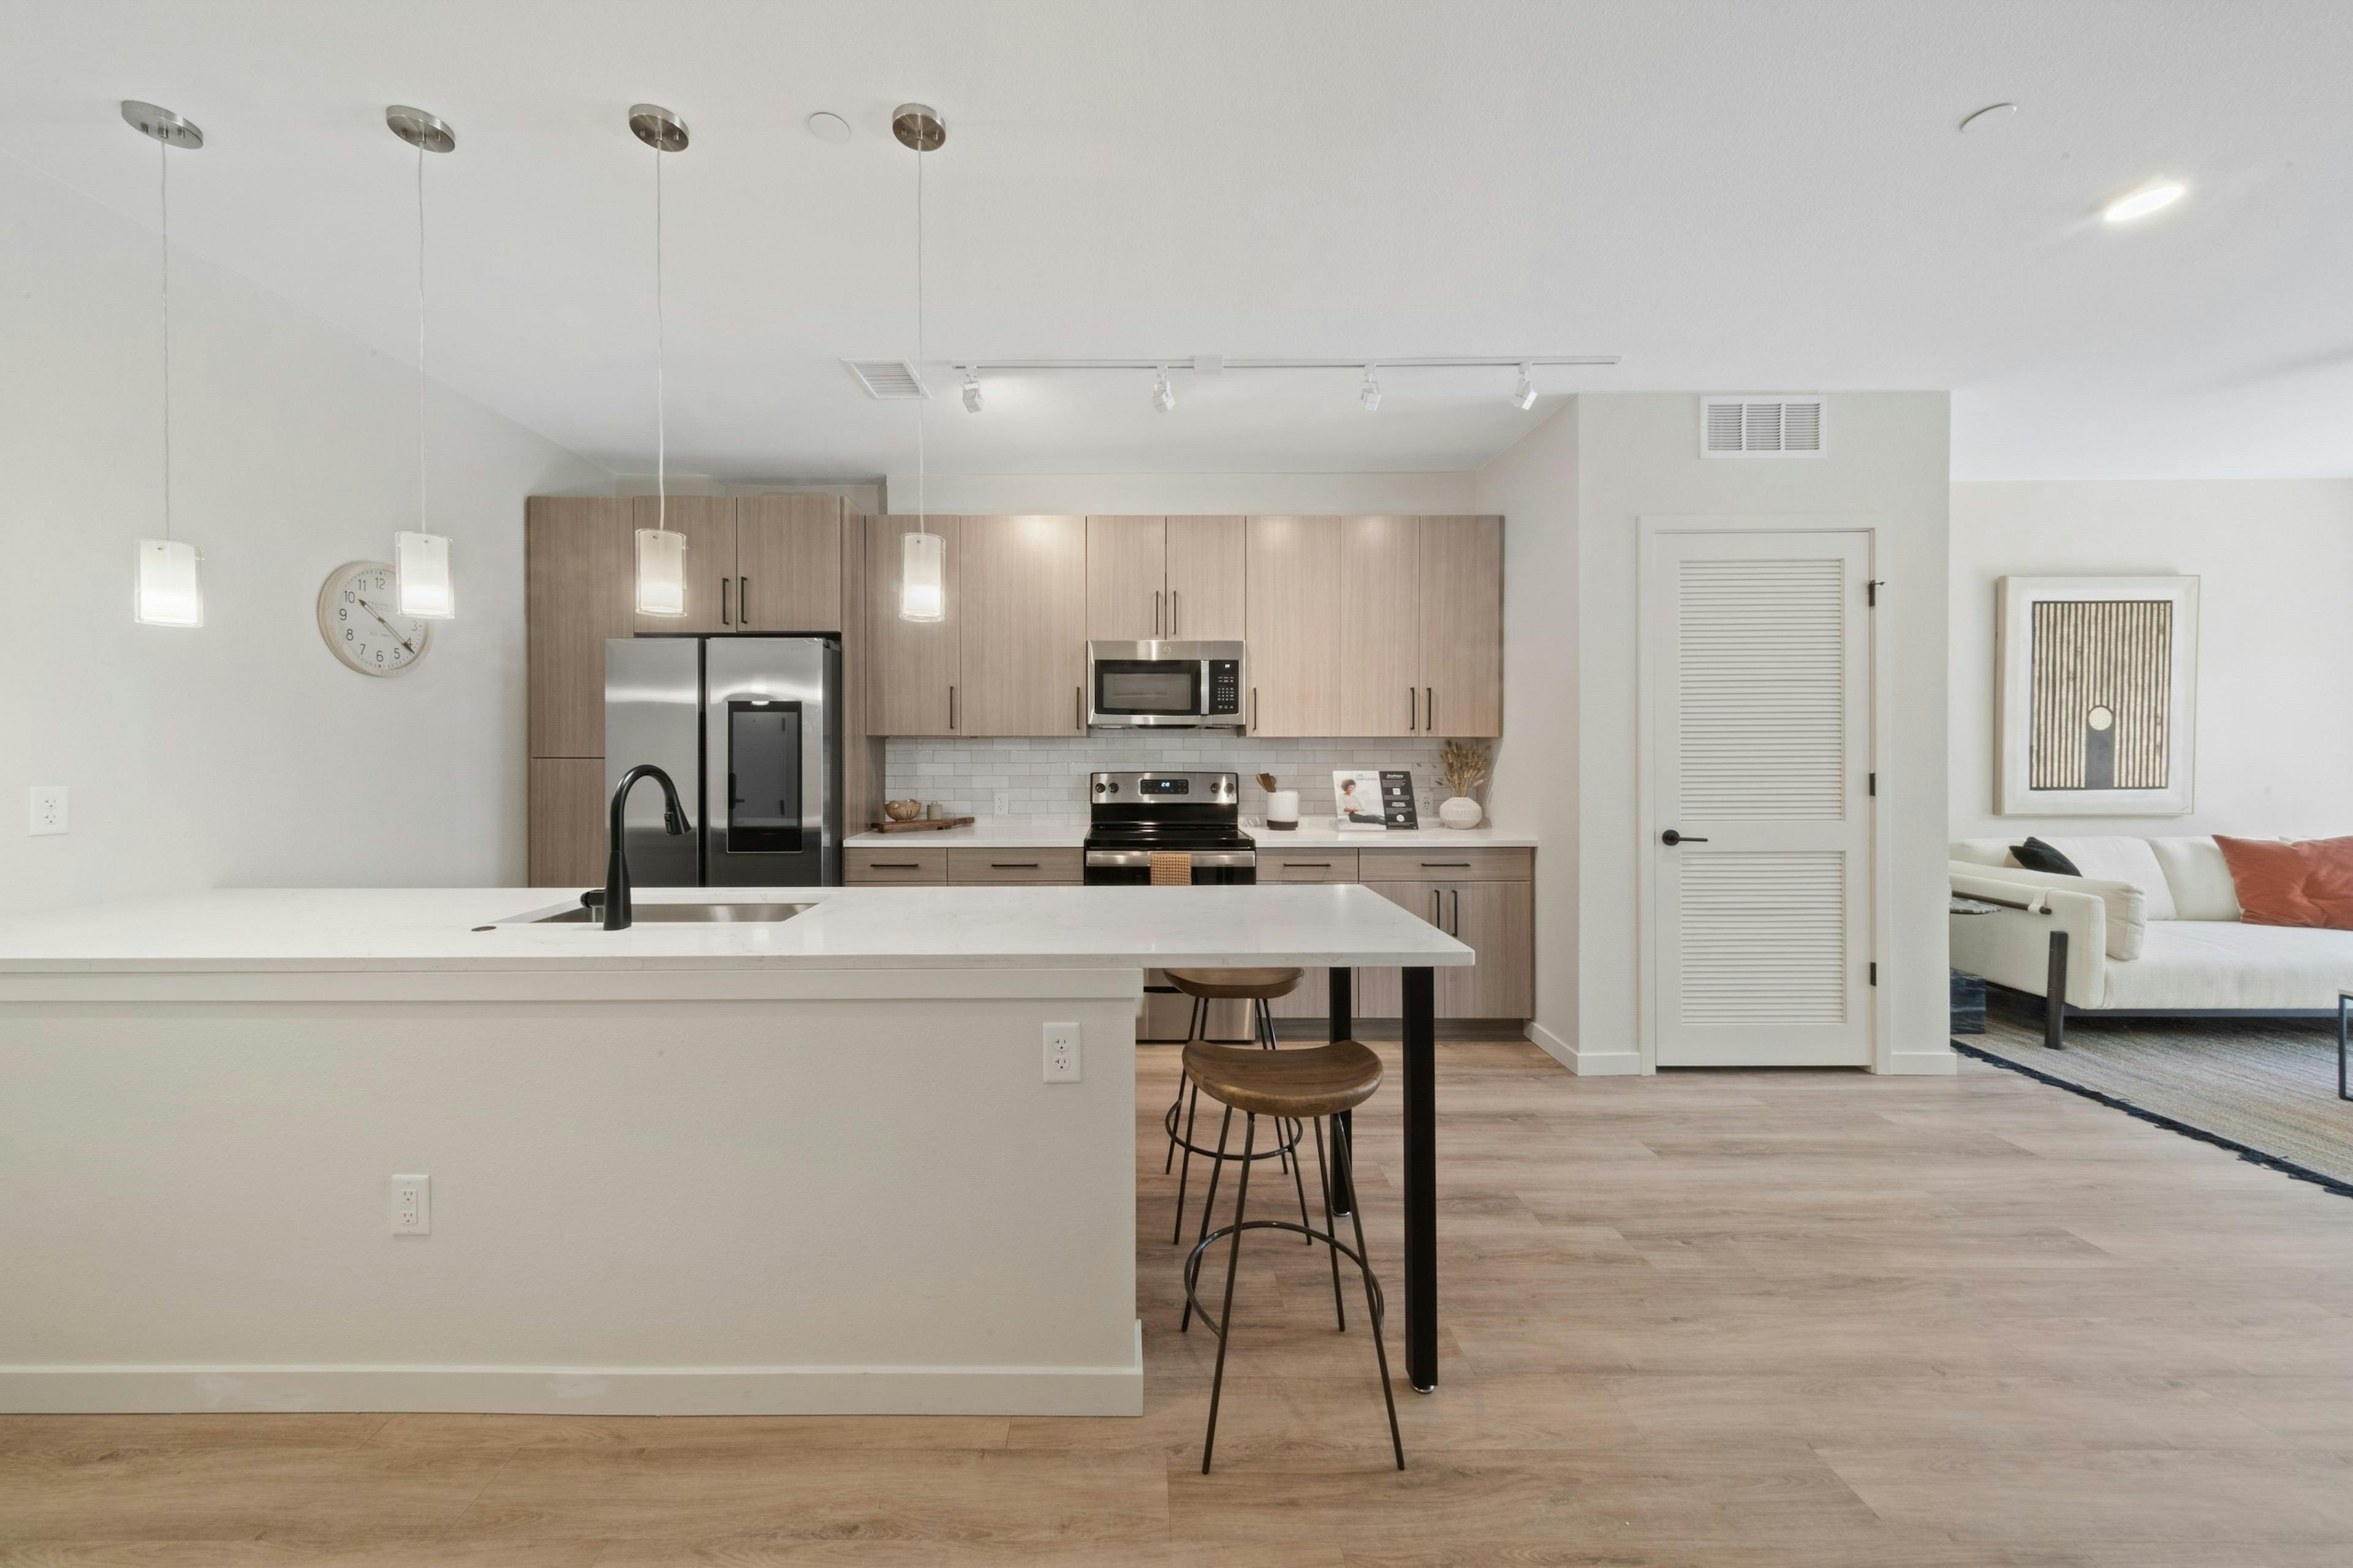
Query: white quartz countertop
(1051, 832)
(438, 928)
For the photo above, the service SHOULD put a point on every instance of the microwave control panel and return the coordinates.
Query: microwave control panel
(1225, 687)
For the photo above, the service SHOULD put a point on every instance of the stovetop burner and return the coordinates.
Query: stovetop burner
(1167, 835)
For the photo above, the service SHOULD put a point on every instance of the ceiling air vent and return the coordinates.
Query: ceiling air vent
(1788, 425)
(888, 378)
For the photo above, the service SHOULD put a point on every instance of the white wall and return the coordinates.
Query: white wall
(241, 752)
(1534, 786)
(1636, 455)
(2274, 560)
(1209, 495)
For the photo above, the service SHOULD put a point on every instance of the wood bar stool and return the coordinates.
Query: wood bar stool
(1312, 1084)
(1259, 987)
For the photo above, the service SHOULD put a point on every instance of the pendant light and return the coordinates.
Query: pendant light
(421, 560)
(661, 554)
(923, 555)
(169, 593)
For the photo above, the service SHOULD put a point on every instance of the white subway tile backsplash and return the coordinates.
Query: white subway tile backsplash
(1048, 778)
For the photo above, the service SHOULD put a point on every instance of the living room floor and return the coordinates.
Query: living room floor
(1745, 1319)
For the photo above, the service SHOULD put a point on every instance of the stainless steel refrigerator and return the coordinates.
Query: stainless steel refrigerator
(749, 728)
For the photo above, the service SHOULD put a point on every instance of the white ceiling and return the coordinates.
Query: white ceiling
(1747, 195)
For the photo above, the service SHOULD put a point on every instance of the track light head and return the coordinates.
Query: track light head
(1523, 396)
(971, 392)
(1164, 397)
(1369, 395)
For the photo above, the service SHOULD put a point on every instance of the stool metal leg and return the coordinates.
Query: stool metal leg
(1209, 1203)
(1193, 1107)
(1233, 1267)
(1323, 1181)
(1340, 1141)
(1192, 1033)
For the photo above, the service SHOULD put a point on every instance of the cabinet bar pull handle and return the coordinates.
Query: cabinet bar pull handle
(722, 602)
(1320, 865)
(1446, 865)
(1078, 706)
(1175, 614)
(1253, 724)
(1457, 930)
(1437, 909)
(1156, 612)
(1429, 709)
(1013, 865)
(951, 706)
(894, 865)
(743, 601)
(1412, 712)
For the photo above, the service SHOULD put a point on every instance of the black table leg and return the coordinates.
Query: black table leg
(2054, 995)
(1421, 1179)
(2341, 1043)
(1344, 1026)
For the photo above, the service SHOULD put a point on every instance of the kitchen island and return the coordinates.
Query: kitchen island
(799, 1166)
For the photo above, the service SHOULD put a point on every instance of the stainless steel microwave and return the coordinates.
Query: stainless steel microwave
(1166, 685)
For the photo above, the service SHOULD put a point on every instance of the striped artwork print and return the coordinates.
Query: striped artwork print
(2102, 673)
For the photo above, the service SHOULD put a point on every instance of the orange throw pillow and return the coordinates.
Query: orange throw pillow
(2304, 884)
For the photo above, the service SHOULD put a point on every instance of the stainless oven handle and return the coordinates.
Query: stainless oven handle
(1113, 858)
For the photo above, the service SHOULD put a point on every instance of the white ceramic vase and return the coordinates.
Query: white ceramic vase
(1460, 811)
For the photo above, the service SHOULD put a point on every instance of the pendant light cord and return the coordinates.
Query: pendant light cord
(661, 357)
(920, 514)
(164, 209)
(422, 512)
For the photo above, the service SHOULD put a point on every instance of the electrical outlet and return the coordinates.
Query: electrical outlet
(412, 1204)
(1062, 1062)
(48, 804)
(1004, 802)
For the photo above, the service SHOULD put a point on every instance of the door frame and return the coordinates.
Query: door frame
(1648, 529)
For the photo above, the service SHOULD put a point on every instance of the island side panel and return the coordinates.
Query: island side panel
(872, 1203)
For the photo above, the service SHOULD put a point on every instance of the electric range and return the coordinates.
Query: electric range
(1134, 814)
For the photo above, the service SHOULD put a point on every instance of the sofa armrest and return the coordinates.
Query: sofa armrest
(2123, 906)
(2012, 947)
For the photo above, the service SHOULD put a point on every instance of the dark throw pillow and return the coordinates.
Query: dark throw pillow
(2037, 855)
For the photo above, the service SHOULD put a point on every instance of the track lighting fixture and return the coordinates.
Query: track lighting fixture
(1164, 397)
(1523, 396)
(971, 392)
(1369, 395)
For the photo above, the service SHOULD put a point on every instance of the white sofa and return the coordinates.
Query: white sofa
(2152, 928)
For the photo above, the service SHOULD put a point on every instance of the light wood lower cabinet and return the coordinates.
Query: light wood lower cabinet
(1495, 919)
(883, 866)
(567, 822)
(1014, 868)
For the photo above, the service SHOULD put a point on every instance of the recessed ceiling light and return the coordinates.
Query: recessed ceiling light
(827, 126)
(1985, 119)
(2155, 196)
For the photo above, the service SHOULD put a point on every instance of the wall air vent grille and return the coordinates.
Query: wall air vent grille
(1782, 426)
(888, 378)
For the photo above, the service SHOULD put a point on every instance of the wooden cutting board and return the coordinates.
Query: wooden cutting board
(922, 824)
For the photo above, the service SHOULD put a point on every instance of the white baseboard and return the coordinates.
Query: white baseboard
(1585, 1063)
(1942, 1063)
(583, 1391)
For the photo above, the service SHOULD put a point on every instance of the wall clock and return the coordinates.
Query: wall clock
(360, 617)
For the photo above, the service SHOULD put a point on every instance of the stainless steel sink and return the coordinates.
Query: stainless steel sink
(648, 913)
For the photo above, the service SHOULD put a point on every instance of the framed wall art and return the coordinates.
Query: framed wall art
(2097, 711)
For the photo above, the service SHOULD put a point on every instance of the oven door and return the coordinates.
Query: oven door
(1133, 868)
(1140, 692)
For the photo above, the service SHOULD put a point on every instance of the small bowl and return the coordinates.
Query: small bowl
(903, 810)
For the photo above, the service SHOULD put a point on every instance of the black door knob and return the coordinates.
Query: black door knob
(1671, 839)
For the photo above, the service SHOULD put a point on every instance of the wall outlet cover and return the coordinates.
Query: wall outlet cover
(410, 1199)
(50, 810)
(1063, 1064)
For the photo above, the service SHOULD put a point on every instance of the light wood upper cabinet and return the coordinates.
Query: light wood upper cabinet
(579, 576)
(1025, 605)
(787, 563)
(914, 667)
(1461, 625)
(1127, 578)
(709, 525)
(1293, 618)
(1380, 625)
(1206, 574)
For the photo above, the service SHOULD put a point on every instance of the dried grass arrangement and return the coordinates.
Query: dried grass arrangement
(1462, 766)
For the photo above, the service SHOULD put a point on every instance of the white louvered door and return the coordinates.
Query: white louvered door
(1756, 668)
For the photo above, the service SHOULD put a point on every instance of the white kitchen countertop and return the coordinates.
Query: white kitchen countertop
(1065, 833)
(433, 929)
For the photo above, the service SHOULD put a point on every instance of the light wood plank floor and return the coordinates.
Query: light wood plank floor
(1747, 1320)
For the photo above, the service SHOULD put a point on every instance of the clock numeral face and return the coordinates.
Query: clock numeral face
(367, 631)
